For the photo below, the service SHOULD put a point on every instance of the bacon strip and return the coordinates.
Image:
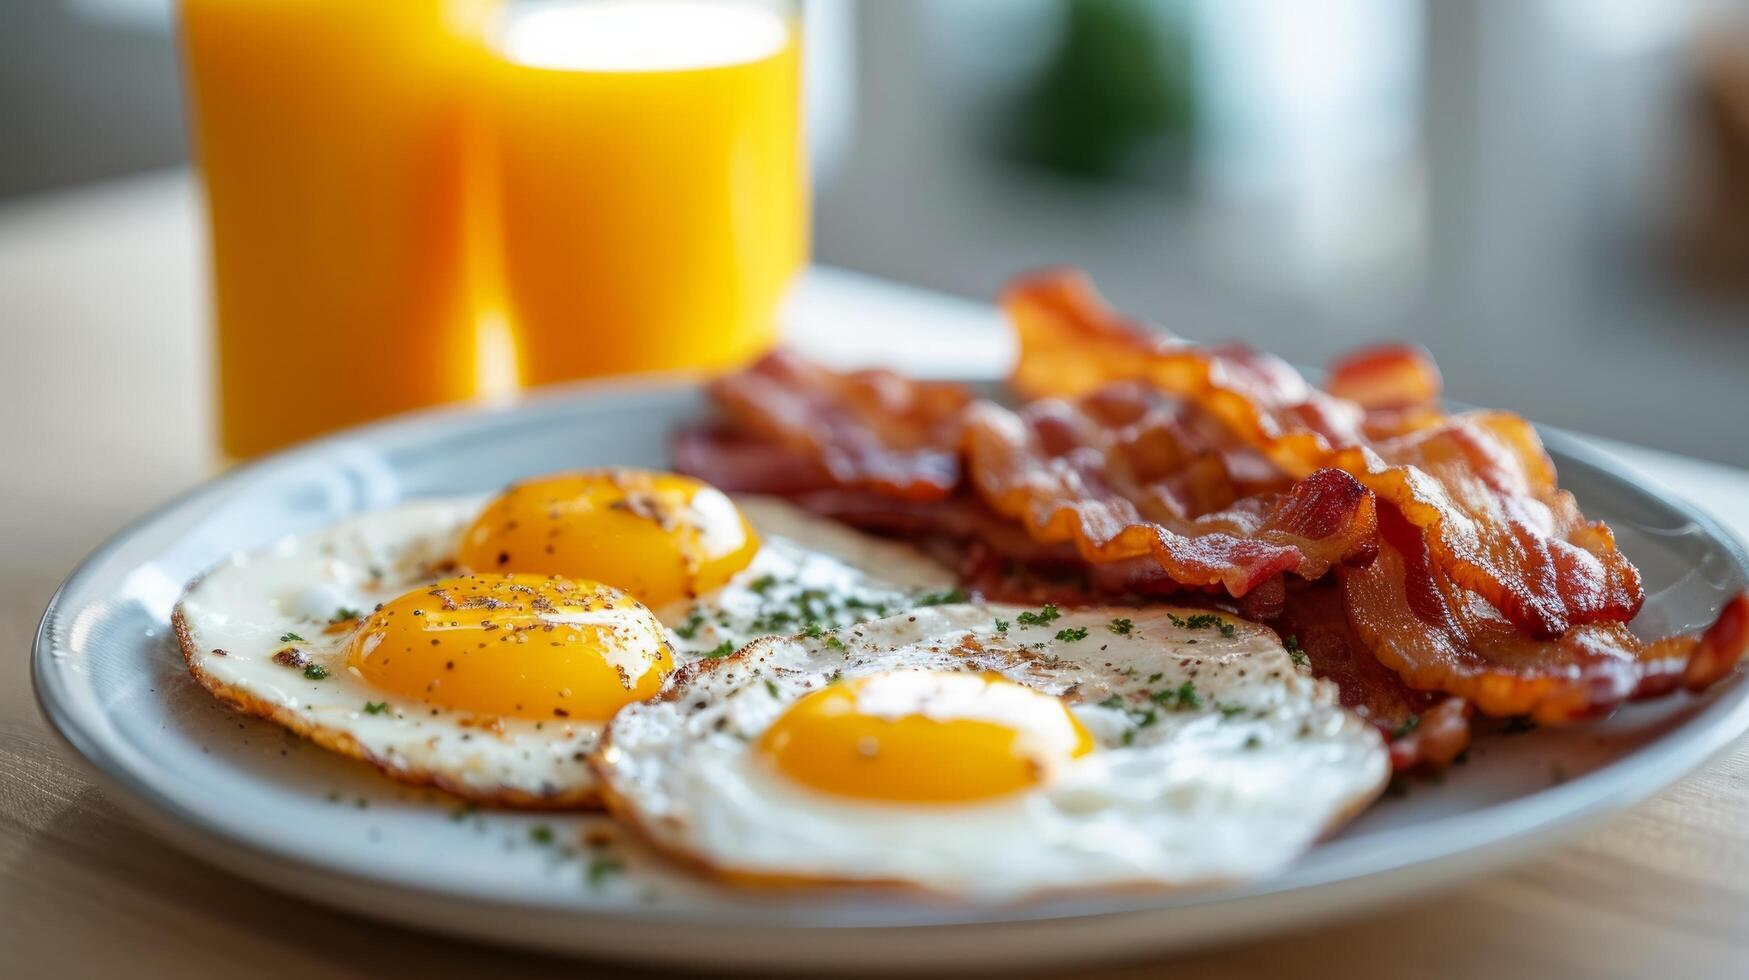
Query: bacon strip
(1072, 342)
(872, 429)
(1384, 376)
(1421, 624)
(1143, 488)
(1396, 384)
(1423, 729)
(1483, 490)
(998, 560)
(737, 463)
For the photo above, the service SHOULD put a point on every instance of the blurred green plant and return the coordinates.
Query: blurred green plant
(1115, 99)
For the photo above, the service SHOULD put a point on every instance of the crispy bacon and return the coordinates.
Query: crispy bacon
(1396, 384)
(997, 559)
(1147, 466)
(872, 429)
(1383, 376)
(1072, 342)
(1484, 492)
(1416, 620)
(1424, 730)
(738, 463)
(1480, 485)
(1714, 657)
(995, 555)
(1125, 482)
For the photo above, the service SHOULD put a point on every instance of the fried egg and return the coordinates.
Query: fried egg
(400, 638)
(658, 536)
(994, 753)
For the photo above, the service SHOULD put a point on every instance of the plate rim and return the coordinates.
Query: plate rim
(1496, 830)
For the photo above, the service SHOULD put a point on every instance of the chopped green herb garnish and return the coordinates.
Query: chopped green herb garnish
(1200, 621)
(835, 677)
(291, 638)
(601, 869)
(1001, 625)
(772, 621)
(1072, 634)
(813, 631)
(690, 629)
(375, 707)
(721, 650)
(1155, 678)
(1407, 727)
(1140, 718)
(343, 614)
(762, 584)
(1121, 627)
(1181, 698)
(941, 598)
(1229, 710)
(541, 834)
(1253, 742)
(1046, 614)
(771, 687)
(1294, 653)
(316, 672)
(834, 643)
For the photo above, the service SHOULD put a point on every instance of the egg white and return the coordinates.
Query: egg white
(1217, 759)
(231, 621)
(805, 564)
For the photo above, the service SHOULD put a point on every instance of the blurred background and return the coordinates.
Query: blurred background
(1552, 195)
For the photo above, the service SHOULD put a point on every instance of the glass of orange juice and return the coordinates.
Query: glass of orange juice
(650, 200)
(332, 137)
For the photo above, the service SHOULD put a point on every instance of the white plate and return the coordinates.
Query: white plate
(244, 795)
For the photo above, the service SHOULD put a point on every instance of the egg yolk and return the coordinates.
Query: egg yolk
(924, 737)
(523, 646)
(659, 536)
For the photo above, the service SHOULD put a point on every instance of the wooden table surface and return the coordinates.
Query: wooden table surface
(103, 392)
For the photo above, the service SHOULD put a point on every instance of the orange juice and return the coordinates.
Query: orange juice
(651, 193)
(331, 136)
